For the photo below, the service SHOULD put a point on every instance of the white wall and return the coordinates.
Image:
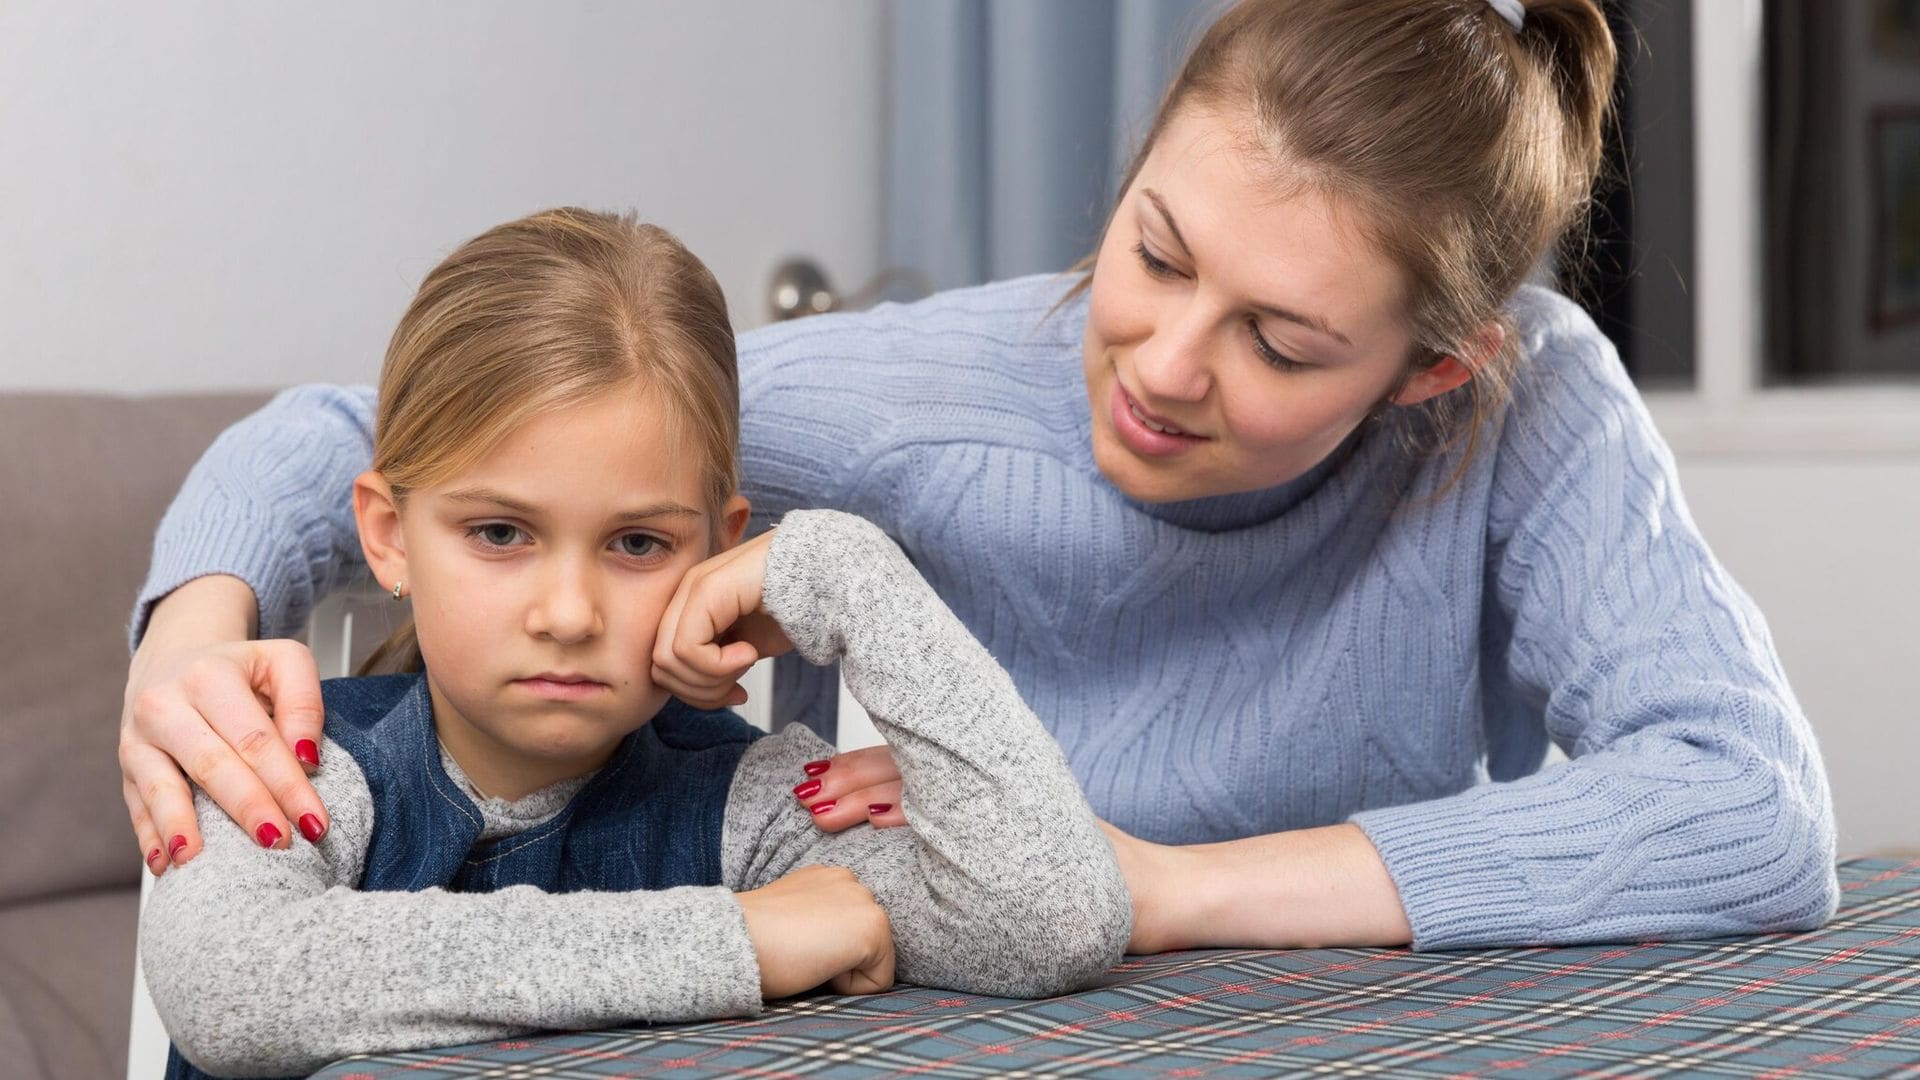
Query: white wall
(1829, 547)
(222, 194)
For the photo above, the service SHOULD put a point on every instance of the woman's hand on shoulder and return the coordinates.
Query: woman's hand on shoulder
(816, 925)
(715, 628)
(238, 717)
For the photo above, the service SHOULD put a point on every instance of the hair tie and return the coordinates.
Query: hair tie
(1514, 11)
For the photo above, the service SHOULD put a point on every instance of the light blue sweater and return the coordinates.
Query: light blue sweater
(1350, 646)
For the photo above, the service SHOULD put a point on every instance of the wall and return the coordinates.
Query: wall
(202, 194)
(1829, 547)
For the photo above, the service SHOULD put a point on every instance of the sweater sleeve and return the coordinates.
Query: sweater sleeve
(1003, 882)
(1694, 803)
(265, 962)
(271, 503)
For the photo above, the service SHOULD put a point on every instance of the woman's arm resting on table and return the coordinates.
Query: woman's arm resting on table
(268, 962)
(1004, 883)
(1695, 803)
(261, 530)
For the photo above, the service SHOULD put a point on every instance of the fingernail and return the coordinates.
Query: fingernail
(821, 808)
(174, 845)
(153, 857)
(807, 789)
(308, 752)
(311, 828)
(267, 834)
(815, 768)
(878, 808)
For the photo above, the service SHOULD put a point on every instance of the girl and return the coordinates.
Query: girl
(554, 450)
(1300, 522)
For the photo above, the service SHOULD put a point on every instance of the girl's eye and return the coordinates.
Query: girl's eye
(640, 545)
(495, 533)
(1270, 354)
(1154, 265)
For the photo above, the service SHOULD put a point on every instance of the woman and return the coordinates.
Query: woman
(1297, 517)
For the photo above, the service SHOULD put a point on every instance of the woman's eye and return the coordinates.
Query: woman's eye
(1154, 265)
(640, 545)
(1270, 354)
(495, 533)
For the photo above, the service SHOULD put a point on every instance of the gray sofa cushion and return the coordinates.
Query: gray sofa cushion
(83, 481)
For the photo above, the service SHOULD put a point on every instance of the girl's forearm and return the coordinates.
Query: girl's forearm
(1307, 888)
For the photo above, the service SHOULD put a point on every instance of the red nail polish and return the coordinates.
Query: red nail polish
(807, 789)
(174, 845)
(267, 834)
(153, 857)
(815, 768)
(310, 828)
(878, 808)
(821, 808)
(308, 752)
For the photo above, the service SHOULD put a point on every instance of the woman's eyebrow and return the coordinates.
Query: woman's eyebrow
(1311, 322)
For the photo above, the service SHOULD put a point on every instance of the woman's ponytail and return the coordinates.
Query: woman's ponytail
(1570, 41)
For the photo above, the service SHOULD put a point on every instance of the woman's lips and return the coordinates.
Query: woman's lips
(561, 688)
(1144, 435)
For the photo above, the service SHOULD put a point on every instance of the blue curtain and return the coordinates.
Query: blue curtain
(1010, 123)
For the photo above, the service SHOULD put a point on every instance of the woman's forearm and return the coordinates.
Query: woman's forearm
(1307, 888)
(204, 611)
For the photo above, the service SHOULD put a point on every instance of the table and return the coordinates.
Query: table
(1843, 1001)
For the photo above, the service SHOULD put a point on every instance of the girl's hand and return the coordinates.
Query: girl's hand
(714, 628)
(817, 925)
(847, 789)
(243, 718)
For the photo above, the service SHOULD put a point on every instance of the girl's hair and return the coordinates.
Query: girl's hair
(554, 310)
(1470, 150)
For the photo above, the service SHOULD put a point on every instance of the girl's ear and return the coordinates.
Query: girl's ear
(1453, 371)
(378, 516)
(733, 521)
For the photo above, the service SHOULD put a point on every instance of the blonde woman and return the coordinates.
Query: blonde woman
(531, 832)
(1301, 522)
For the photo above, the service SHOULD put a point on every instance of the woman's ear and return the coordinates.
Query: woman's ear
(733, 521)
(378, 515)
(1453, 371)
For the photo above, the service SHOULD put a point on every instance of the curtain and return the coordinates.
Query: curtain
(1010, 123)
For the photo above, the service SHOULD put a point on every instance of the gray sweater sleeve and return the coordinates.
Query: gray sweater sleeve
(269, 963)
(1004, 883)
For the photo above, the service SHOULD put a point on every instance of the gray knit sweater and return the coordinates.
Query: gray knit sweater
(269, 962)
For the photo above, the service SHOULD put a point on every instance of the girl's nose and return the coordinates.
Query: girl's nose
(567, 609)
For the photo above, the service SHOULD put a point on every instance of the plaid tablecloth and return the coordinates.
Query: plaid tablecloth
(1844, 1001)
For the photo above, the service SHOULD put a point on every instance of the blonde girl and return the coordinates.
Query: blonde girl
(531, 832)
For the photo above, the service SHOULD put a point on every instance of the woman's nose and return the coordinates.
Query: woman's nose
(567, 609)
(1174, 364)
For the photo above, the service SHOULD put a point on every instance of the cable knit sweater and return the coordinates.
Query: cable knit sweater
(1365, 643)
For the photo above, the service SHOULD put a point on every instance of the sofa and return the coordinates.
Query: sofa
(83, 481)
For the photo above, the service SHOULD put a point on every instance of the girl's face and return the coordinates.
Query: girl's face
(1237, 332)
(538, 578)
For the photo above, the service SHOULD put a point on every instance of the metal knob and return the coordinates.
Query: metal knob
(800, 287)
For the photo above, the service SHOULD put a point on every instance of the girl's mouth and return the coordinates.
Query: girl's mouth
(553, 686)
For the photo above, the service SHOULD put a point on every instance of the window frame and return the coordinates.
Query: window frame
(1731, 410)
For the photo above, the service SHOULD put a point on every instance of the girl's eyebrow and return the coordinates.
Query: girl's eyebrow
(1311, 322)
(490, 497)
